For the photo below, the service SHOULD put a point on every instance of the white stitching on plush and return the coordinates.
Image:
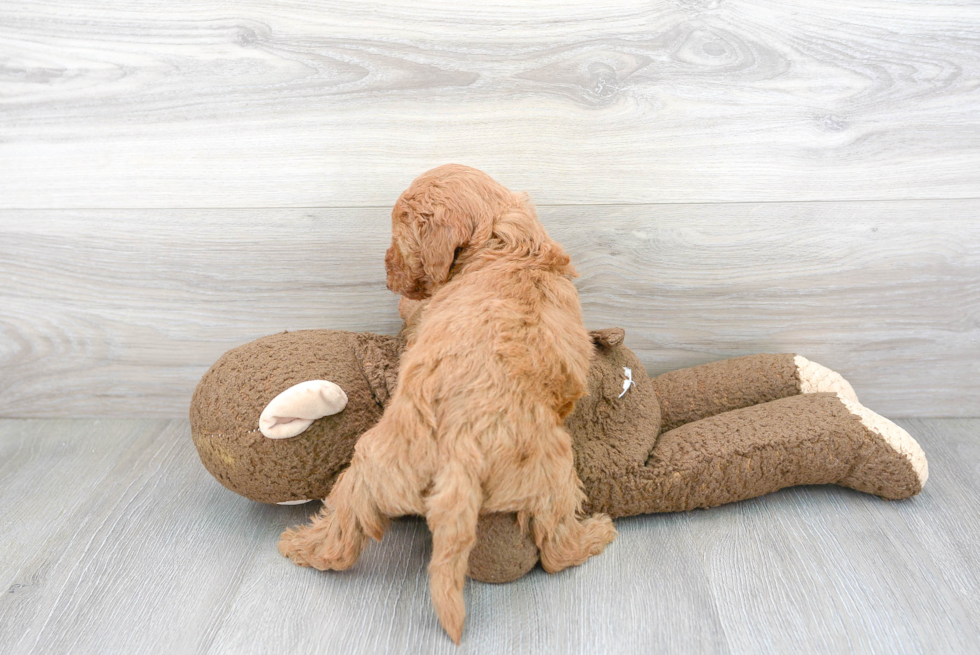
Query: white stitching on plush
(222, 434)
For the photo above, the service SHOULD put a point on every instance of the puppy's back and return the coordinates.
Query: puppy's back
(502, 331)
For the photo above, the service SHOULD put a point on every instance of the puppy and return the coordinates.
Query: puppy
(495, 360)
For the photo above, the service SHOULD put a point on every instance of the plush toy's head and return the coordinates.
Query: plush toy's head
(231, 397)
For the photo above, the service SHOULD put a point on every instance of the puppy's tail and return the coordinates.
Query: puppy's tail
(451, 511)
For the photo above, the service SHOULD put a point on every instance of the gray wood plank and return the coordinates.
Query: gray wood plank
(117, 540)
(337, 104)
(108, 559)
(827, 570)
(119, 312)
(950, 515)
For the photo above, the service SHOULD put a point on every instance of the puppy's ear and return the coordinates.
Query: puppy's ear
(440, 235)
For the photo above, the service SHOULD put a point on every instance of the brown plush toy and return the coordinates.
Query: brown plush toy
(276, 421)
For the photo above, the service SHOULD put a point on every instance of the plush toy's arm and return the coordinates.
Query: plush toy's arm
(818, 438)
(695, 393)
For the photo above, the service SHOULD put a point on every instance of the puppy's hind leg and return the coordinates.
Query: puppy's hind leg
(451, 511)
(563, 539)
(572, 541)
(335, 538)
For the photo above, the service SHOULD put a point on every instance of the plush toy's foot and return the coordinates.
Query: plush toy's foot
(891, 463)
(815, 378)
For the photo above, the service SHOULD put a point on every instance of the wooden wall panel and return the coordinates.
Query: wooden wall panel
(301, 103)
(119, 312)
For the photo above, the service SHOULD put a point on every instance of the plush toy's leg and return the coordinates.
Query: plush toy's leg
(698, 392)
(817, 438)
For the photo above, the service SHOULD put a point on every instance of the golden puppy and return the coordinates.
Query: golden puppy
(495, 362)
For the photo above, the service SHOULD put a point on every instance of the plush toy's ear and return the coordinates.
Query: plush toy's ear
(295, 409)
(609, 337)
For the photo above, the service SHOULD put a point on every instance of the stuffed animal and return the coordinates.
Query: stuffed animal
(275, 420)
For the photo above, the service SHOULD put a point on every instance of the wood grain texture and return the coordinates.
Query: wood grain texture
(300, 103)
(117, 540)
(120, 312)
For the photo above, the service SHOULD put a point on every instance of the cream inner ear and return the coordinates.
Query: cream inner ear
(295, 409)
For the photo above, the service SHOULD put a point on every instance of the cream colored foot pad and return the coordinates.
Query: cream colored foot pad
(815, 378)
(894, 436)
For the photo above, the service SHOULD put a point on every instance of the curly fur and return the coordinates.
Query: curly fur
(497, 356)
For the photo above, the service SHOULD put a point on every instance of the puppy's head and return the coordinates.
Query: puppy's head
(444, 212)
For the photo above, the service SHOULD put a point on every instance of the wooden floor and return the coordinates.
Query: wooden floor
(116, 540)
